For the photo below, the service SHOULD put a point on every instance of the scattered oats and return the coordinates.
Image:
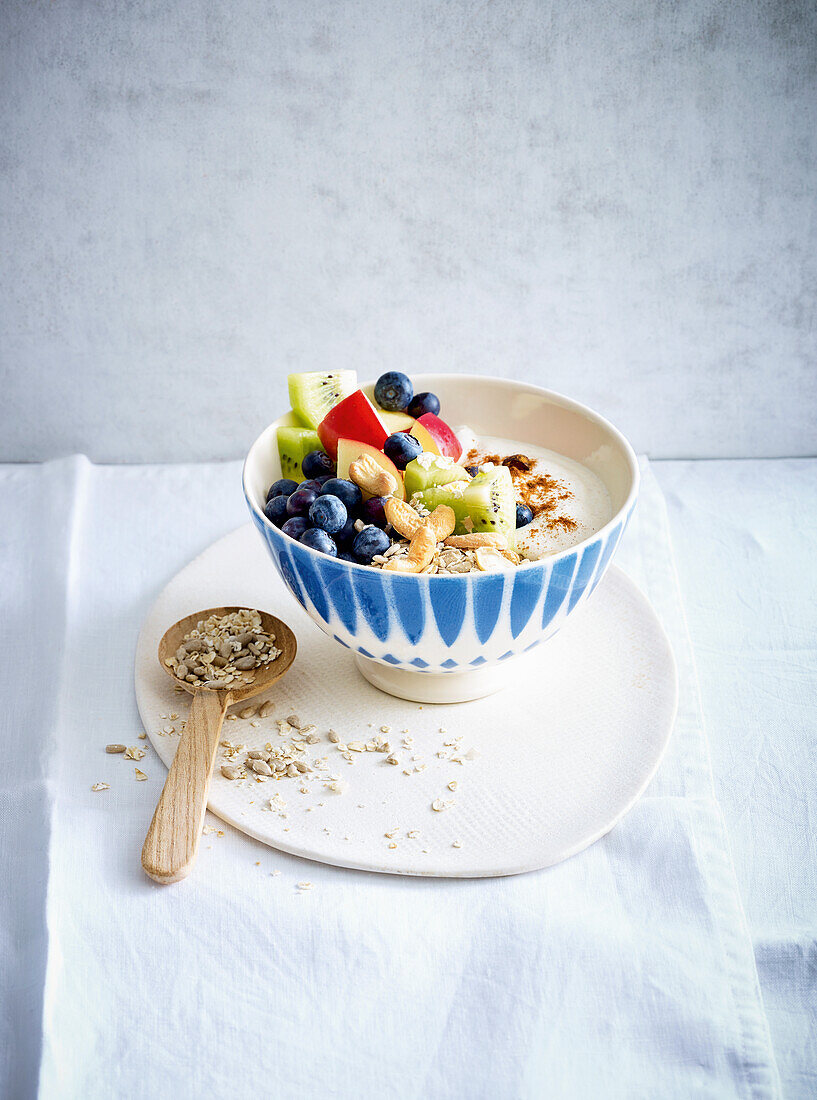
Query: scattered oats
(443, 731)
(456, 844)
(337, 785)
(304, 790)
(333, 737)
(134, 753)
(452, 786)
(140, 776)
(406, 772)
(101, 787)
(357, 746)
(258, 863)
(472, 754)
(274, 874)
(231, 718)
(412, 834)
(294, 721)
(115, 748)
(304, 885)
(385, 729)
(255, 724)
(392, 759)
(438, 805)
(391, 835)
(173, 717)
(207, 830)
(142, 735)
(392, 845)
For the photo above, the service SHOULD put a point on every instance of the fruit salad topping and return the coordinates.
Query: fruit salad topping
(385, 484)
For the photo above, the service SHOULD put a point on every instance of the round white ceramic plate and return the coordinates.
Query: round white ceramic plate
(539, 770)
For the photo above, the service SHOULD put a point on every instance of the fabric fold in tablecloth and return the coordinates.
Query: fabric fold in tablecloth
(626, 971)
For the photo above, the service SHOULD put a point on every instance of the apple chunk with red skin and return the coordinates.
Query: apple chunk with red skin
(352, 418)
(443, 436)
(349, 450)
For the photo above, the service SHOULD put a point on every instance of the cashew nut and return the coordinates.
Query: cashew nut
(487, 558)
(478, 538)
(421, 552)
(402, 517)
(371, 478)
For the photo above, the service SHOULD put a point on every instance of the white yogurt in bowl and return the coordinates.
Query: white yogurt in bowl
(570, 502)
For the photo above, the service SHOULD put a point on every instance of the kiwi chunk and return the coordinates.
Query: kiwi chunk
(486, 503)
(294, 444)
(314, 393)
(428, 469)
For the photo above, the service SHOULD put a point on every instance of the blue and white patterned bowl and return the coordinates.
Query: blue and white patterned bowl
(448, 638)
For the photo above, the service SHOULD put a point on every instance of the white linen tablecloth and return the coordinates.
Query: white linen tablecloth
(627, 971)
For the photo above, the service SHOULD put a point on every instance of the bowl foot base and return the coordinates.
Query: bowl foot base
(437, 687)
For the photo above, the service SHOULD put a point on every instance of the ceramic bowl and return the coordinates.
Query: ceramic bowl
(449, 638)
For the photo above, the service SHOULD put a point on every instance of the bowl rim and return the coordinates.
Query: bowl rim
(520, 387)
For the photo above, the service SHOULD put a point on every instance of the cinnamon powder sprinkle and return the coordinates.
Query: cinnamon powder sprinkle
(542, 493)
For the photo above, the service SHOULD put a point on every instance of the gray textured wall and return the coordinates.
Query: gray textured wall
(616, 200)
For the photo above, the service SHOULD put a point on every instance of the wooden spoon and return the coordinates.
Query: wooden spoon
(173, 837)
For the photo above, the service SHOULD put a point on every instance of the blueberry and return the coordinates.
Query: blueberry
(300, 502)
(328, 513)
(276, 510)
(284, 487)
(295, 526)
(472, 470)
(372, 511)
(347, 533)
(319, 540)
(344, 555)
(423, 403)
(523, 515)
(317, 463)
(401, 448)
(346, 490)
(368, 542)
(393, 391)
(312, 484)
(322, 480)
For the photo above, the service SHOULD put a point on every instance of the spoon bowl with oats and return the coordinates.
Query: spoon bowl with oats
(222, 656)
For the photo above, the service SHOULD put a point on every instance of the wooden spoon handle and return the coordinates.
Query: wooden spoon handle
(173, 837)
